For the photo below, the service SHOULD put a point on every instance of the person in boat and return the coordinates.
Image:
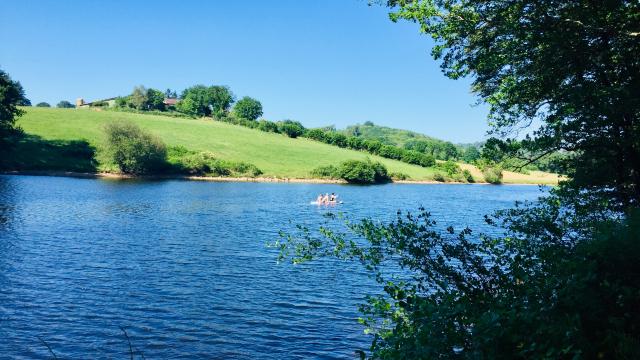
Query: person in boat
(325, 198)
(332, 198)
(319, 199)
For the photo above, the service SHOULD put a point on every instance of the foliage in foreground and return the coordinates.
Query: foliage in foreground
(460, 296)
(133, 150)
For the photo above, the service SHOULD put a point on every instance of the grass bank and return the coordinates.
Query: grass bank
(62, 139)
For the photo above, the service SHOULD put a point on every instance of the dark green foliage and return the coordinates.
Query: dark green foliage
(64, 104)
(540, 301)
(363, 172)
(248, 108)
(133, 150)
(155, 100)
(267, 126)
(521, 57)
(291, 128)
(325, 172)
(33, 153)
(43, 104)
(206, 101)
(11, 96)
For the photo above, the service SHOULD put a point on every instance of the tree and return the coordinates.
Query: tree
(64, 104)
(134, 150)
(169, 94)
(222, 98)
(138, 98)
(11, 96)
(291, 128)
(572, 65)
(212, 100)
(248, 108)
(43, 104)
(471, 154)
(155, 100)
(187, 106)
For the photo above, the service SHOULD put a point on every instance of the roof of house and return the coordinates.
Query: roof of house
(170, 101)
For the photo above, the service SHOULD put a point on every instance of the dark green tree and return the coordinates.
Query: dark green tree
(64, 104)
(155, 100)
(11, 96)
(248, 108)
(212, 100)
(43, 104)
(571, 65)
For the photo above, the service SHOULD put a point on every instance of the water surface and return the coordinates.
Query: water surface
(183, 266)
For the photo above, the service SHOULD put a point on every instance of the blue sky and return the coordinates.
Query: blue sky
(323, 62)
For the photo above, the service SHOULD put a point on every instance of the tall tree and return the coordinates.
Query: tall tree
(11, 96)
(138, 98)
(212, 100)
(573, 65)
(248, 108)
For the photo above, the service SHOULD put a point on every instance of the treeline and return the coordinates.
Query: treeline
(198, 100)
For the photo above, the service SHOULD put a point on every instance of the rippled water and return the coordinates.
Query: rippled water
(183, 266)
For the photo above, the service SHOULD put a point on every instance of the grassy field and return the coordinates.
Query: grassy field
(276, 155)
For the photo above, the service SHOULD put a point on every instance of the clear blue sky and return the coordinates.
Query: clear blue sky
(319, 62)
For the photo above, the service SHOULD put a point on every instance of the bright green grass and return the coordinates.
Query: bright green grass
(276, 155)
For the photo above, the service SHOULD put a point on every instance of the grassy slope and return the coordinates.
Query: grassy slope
(274, 154)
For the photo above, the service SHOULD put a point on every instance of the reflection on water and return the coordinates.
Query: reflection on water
(184, 268)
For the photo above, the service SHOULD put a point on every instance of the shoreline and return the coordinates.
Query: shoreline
(105, 175)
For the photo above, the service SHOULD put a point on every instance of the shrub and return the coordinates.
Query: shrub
(292, 129)
(267, 126)
(450, 167)
(492, 175)
(240, 168)
(439, 177)
(362, 172)
(133, 150)
(390, 151)
(398, 176)
(43, 104)
(466, 175)
(337, 139)
(315, 134)
(205, 163)
(325, 172)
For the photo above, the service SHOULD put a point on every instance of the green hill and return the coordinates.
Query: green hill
(387, 135)
(276, 155)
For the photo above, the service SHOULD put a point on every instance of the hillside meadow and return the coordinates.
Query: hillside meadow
(275, 154)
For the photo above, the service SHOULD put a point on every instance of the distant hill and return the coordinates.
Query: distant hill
(387, 135)
(440, 149)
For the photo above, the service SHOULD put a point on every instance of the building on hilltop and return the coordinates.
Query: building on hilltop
(109, 102)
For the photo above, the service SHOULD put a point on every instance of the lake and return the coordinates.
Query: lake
(183, 266)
